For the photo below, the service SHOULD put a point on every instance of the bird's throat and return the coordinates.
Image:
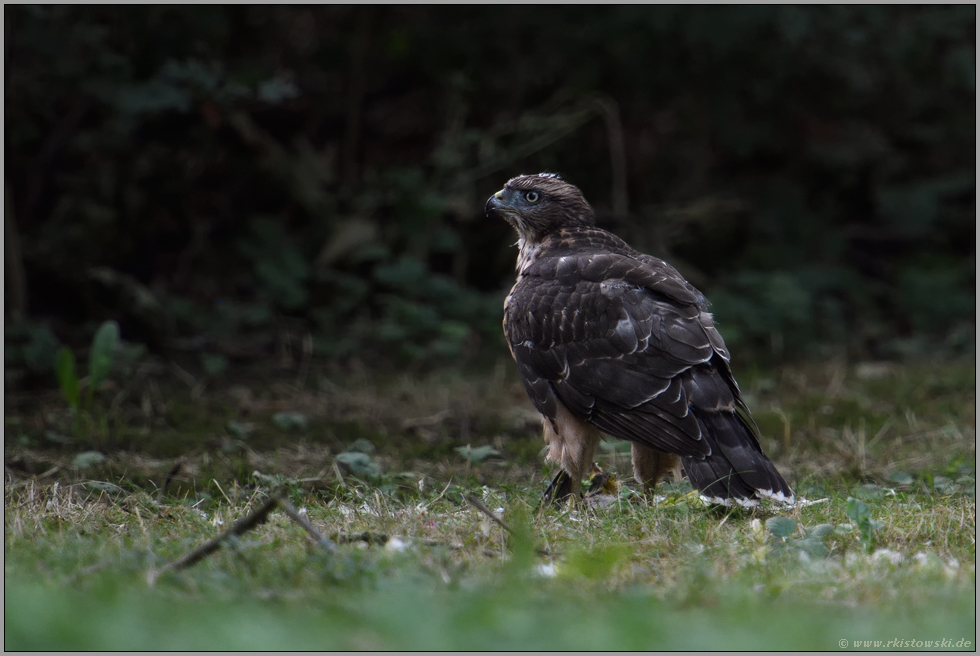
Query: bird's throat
(526, 253)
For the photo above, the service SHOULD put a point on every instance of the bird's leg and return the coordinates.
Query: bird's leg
(561, 487)
(575, 459)
(571, 444)
(650, 466)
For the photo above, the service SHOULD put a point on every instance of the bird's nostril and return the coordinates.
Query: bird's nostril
(499, 195)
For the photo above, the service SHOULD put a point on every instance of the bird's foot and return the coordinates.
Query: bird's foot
(560, 490)
(603, 486)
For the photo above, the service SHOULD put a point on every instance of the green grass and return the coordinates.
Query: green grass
(630, 576)
(889, 467)
(402, 615)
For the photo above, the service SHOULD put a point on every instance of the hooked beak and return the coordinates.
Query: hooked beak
(494, 204)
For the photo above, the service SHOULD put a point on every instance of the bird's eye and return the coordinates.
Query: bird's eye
(532, 196)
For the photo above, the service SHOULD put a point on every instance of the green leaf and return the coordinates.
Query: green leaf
(900, 478)
(869, 491)
(812, 546)
(781, 527)
(821, 530)
(362, 445)
(860, 514)
(857, 511)
(87, 459)
(67, 376)
(240, 429)
(40, 352)
(359, 463)
(103, 349)
(290, 421)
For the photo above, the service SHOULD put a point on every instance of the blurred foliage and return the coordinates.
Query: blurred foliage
(214, 178)
(101, 356)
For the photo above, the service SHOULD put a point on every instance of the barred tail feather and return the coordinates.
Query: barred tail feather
(736, 470)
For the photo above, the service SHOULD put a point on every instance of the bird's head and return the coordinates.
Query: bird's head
(537, 205)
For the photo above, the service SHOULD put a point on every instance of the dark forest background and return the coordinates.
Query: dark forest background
(239, 183)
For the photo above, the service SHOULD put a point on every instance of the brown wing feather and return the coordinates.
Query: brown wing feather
(616, 338)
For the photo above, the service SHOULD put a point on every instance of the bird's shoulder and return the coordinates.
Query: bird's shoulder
(592, 256)
(590, 290)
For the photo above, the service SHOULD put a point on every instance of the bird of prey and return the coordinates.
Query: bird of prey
(611, 341)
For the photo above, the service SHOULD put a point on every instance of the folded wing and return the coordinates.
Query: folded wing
(625, 344)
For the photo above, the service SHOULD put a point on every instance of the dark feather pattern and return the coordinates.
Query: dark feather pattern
(623, 342)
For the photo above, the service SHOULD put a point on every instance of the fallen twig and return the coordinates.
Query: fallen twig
(91, 569)
(247, 522)
(170, 476)
(244, 524)
(51, 472)
(486, 511)
(423, 506)
(300, 519)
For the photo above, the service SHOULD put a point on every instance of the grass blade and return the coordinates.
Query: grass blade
(67, 376)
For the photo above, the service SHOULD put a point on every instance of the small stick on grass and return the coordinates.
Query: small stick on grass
(247, 522)
(244, 524)
(170, 476)
(91, 569)
(486, 511)
(300, 519)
